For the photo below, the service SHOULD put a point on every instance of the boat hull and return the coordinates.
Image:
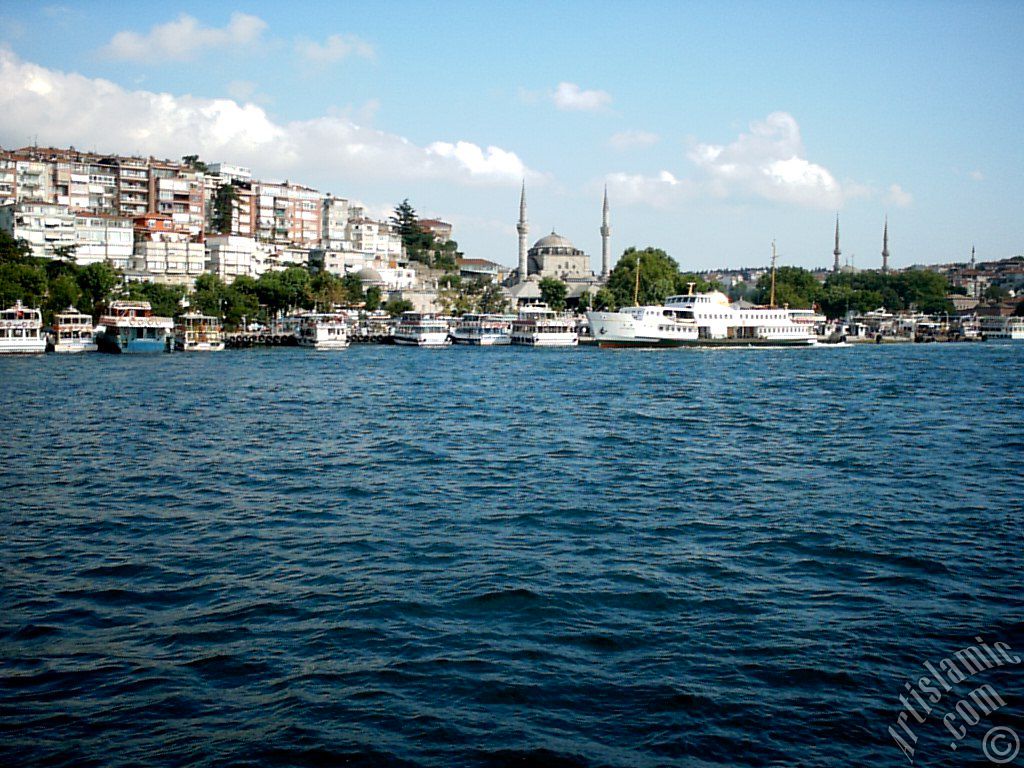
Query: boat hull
(65, 348)
(114, 343)
(23, 347)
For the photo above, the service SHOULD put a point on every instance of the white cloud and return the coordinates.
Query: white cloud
(183, 38)
(661, 191)
(69, 109)
(630, 139)
(569, 96)
(767, 162)
(977, 175)
(898, 196)
(334, 49)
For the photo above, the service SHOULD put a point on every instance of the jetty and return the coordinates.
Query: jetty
(265, 338)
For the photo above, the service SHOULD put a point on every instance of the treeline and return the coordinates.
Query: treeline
(660, 277)
(919, 290)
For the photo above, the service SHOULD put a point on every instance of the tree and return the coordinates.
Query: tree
(395, 307)
(13, 251)
(553, 292)
(165, 299)
(418, 243)
(24, 282)
(604, 300)
(223, 208)
(794, 286)
(209, 295)
(373, 298)
(193, 162)
(63, 292)
(996, 293)
(492, 299)
(659, 278)
(96, 281)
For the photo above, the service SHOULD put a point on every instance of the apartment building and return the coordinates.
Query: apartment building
(103, 237)
(230, 256)
(46, 227)
(289, 213)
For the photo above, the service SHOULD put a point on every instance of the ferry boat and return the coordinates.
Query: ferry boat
(323, 330)
(73, 332)
(1002, 328)
(21, 330)
(537, 325)
(417, 329)
(700, 319)
(483, 330)
(196, 332)
(131, 327)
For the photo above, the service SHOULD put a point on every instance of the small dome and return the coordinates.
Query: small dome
(369, 275)
(554, 240)
(717, 297)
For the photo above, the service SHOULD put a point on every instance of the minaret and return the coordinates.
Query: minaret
(972, 257)
(606, 231)
(523, 228)
(837, 253)
(885, 246)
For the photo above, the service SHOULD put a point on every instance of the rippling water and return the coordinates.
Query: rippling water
(502, 556)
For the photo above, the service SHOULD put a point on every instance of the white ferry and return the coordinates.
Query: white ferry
(21, 331)
(483, 330)
(539, 326)
(73, 332)
(323, 330)
(417, 329)
(198, 333)
(131, 327)
(700, 319)
(1002, 328)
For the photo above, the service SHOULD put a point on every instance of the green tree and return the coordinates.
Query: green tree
(63, 293)
(13, 251)
(25, 282)
(492, 299)
(193, 162)
(209, 295)
(604, 300)
(418, 243)
(659, 278)
(553, 293)
(223, 208)
(794, 286)
(395, 307)
(96, 281)
(996, 293)
(373, 298)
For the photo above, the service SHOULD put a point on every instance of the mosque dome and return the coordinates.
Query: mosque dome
(369, 275)
(554, 240)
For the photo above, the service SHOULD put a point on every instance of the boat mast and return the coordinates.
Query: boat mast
(771, 300)
(636, 286)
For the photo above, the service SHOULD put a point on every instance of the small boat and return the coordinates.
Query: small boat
(131, 327)
(418, 329)
(483, 330)
(73, 332)
(537, 325)
(21, 331)
(196, 332)
(322, 330)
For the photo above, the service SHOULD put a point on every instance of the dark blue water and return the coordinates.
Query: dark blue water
(504, 557)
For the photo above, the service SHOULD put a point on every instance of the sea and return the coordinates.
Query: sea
(512, 557)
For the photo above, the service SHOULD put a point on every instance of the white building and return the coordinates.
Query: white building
(45, 226)
(100, 237)
(177, 262)
(230, 256)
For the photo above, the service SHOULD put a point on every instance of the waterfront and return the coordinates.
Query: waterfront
(401, 556)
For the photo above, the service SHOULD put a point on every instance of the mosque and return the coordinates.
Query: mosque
(555, 256)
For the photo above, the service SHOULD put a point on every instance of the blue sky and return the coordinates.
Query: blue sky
(716, 126)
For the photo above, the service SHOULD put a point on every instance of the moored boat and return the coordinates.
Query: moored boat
(130, 327)
(21, 330)
(537, 325)
(73, 332)
(482, 330)
(418, 329)
(195, 332)
(323, 330)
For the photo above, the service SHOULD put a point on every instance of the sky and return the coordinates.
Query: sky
(717, 127)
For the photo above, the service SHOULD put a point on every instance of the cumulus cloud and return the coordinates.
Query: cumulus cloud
(977, 175)
(898, 196)
(767, 162)
(183, 39)
(569, 96)
(70, 109)
(662, 191)
(334, 49)
(630, 139)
